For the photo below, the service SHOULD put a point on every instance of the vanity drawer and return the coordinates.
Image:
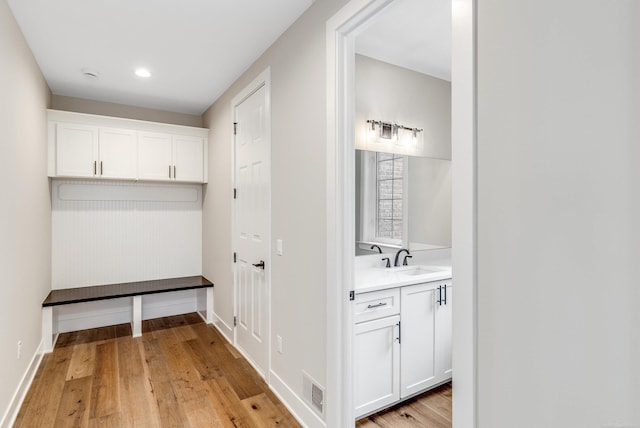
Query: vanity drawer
(377, 304)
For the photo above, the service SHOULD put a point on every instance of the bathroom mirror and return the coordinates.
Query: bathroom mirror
(402, 202)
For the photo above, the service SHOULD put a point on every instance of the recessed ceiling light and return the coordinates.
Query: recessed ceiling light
(142, 72)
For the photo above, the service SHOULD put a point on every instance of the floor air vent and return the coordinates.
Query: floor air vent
(313, 394)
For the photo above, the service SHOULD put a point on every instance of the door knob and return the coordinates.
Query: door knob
(259, 265)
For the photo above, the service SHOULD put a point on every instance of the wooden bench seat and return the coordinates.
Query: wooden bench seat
(135, 290)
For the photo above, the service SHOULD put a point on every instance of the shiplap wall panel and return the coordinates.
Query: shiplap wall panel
(110, 232)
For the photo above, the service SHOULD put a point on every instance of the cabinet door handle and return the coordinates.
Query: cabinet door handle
(377, 305)
(445, 294)
(100, 167)
(169, 171)
(399, 338)
(439, 301)
(174, 172)
(95, 163)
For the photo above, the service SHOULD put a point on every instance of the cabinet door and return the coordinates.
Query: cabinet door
(76, 150)
(188, 159)
(444, 332)
(418, 361)
(154, 156)
(117, 153)
(377, 364)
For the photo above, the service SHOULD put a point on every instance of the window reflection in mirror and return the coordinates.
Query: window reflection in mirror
(402, 202)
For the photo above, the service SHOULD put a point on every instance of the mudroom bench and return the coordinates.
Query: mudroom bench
(135, 290)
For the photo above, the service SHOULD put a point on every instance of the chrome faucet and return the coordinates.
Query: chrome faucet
(400, 251)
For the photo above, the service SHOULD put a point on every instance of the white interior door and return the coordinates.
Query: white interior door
(252, 222)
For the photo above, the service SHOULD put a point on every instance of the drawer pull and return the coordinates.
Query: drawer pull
(377, 305)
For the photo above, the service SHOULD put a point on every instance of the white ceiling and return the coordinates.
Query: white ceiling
(195, 49)
(414, 34)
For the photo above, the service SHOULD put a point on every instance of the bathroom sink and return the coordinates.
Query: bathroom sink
(419, 270)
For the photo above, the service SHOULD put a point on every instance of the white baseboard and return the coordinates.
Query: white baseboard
(11, 413)
(298, 408)
(223, 328)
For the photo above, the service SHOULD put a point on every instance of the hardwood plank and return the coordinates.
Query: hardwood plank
(107, 421)
(67, 339)
(74, 401)
(170, 413)
(221, 391)
(105, 396)
(243, 381)
(201, 413)
(233, 351)
(82, 361)
(138, 408)
(264, 413)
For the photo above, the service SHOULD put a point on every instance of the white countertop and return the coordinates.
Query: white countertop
(371, 275)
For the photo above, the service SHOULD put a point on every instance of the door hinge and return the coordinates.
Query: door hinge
(352, 295)
(235, 128)
(235, 321)
(235, 257)
(235, 193)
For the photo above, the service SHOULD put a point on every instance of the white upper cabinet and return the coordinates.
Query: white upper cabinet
(76, 150)
(155, 156)
(117, 153)
(89, 146)
(170, 157)
(92, 152)
(188, 156)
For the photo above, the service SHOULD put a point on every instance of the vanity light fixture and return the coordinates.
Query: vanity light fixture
(391, 131)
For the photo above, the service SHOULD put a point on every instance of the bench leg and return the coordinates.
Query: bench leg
(136, 319)
(210, 305)
(47, 329)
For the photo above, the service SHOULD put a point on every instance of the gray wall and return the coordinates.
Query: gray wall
(25, 229)
(390, 93)
(558, 209)
(298, 165)
(81, 105)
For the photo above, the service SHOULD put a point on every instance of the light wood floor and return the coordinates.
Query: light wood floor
(429, 410)
(180, 373)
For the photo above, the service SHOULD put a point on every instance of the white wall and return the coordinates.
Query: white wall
(298, 96)
(558, 209)
(25, 226)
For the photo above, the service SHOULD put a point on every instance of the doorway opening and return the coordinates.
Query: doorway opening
(342, 30)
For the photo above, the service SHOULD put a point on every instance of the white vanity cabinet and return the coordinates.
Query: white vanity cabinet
(92, 152)
(90, 146)
(376, 350)
(426, 336)
(402, 343)
(170, 157)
